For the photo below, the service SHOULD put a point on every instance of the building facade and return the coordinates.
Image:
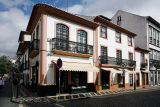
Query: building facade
(96, 54)
(147, 30)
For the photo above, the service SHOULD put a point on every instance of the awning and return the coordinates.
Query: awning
(145, 71)
(74, 66)
(113, 70)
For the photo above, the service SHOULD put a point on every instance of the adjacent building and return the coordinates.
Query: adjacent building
(148, 35)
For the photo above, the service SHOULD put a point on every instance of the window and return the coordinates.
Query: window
(150, 34)
(103, 32)
(82, 37)
(130, 41)
(104, 54)
(131, 56)
(158, 38)
(142, 57)
(154, 37)
(82, 40)
(103, 51)
(131, 79)
(154, 54)
(151, 54)
(119, 20)
(119, 57)
(62, 35)
(62, 32)
(118, 37)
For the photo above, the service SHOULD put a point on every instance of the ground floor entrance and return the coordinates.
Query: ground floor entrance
(121, 81)
(145, 79)
(137, 80)
(105, 79)
(71, 81)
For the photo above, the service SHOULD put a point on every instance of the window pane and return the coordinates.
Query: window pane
(129, 41)
(103, 51)
(118, 37)
(104, 31)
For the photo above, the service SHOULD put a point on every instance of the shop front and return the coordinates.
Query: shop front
(75, 77)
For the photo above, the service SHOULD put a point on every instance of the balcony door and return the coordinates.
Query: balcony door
(62, 35)
(82, 41)
(119, 57)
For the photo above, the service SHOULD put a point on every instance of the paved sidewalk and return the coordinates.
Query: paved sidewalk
(67, 97)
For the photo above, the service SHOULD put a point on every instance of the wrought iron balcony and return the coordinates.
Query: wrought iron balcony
(34, 48)
(116, 61)
(144, 65)
(154, 63)
(70, 46)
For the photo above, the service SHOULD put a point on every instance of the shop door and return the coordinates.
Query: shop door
(63, 81)
(137, 80)
(105, 78)
(143, 79)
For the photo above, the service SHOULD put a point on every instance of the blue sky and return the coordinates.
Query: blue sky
(14, 14)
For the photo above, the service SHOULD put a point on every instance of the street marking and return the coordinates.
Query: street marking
(59, 105)
(20, 105)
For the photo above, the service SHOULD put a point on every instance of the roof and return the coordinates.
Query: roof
(90, 18)
(39, 9)
(118, 28)
(141, 49)
(149, 18)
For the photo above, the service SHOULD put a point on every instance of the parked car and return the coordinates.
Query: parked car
(1, 82)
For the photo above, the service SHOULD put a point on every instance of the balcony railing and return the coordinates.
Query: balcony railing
(116, 61)
(70, 46)
(154, 63)
(144, 65)
(34, 45)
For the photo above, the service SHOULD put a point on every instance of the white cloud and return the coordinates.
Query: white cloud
(75, 9)
(13, 3)
(11, 23)
(109, 7)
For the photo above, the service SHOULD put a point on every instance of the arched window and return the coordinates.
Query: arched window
(62, 37)
(82, 41)
(62, 31)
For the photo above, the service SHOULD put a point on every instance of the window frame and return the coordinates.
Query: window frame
(117, 55)
(119, 36)
(102, 46)
(62, 32)
(129, 56)
(105, 31)
(130, 41)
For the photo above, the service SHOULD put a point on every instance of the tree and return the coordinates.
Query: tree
(5, 65)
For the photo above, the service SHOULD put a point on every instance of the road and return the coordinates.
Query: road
(5, 97)
(135, 99)
(149, 98)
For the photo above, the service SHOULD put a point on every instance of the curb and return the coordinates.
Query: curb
(79, 96)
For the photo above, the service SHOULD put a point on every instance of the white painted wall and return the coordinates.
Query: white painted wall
(113, 45)
(51, 33)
